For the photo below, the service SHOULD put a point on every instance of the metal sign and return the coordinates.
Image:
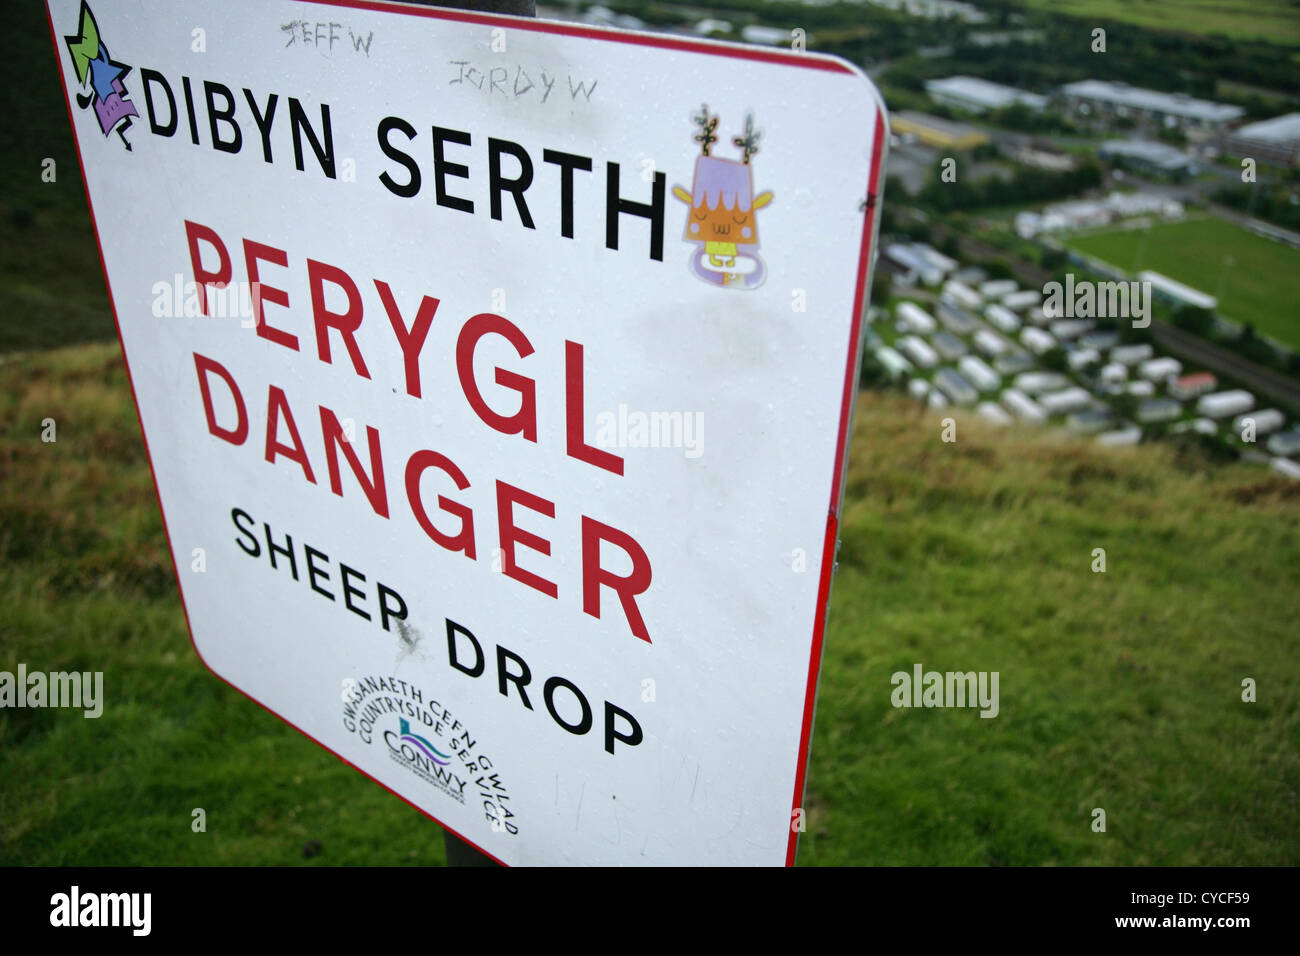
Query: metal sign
(496, 377)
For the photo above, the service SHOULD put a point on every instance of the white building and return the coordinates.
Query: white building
(977, 372)
(994, 413)
(1037, 340)
(1285, 466)
(1035, 383)
(1128, 435)
(913, 318)
(1264, 421)
(1275, 141)
(962, 295)
(1103, 98)
(1023, 407)
(1160, 369)
(1025, 299)
(1067, 330)
(1286, 443)
(1131, 355)
(997, 288)
(1148, 156)
(705, 27)
(1002, 317)
(1082, 358)
(1113, 372)
(955, 386)
(1222, 404)
(1190, 386)
(893, 363)
(1159, 410)
(918, 350)
(989, 343)
(768, 36)
(1090, 213)
(1066, 400)
(1173, 291)
(978, 96)
(911, 266)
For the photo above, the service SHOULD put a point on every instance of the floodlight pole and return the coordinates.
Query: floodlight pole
(460, 853)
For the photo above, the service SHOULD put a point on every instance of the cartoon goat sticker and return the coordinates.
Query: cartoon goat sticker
(722, 221)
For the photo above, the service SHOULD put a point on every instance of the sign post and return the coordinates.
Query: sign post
(501, 373)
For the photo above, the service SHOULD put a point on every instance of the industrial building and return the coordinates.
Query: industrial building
(1089, 213)
(978, 96)
(1275, 141)
(1148, 157)
(1099, 98)
(933, 131)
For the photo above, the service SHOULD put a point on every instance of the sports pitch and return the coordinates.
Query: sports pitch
(1255, 280)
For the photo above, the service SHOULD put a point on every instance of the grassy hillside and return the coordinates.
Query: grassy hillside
(1277, 21)
(49, 264)
(1118, 690)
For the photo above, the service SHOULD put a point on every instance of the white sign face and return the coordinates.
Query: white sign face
(496, 390)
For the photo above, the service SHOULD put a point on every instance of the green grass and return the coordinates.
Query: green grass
(1260, 285)
(1118, 690)
(1276, 21)
(49, 265)
(87, 584)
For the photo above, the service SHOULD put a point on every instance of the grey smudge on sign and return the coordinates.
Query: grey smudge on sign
(408, 641)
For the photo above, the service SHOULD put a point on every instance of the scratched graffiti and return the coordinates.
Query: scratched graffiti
(516, 82)
(323, 35)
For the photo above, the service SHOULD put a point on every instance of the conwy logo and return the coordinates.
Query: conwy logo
(428, 741)
(100, 77)
(420, 743)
